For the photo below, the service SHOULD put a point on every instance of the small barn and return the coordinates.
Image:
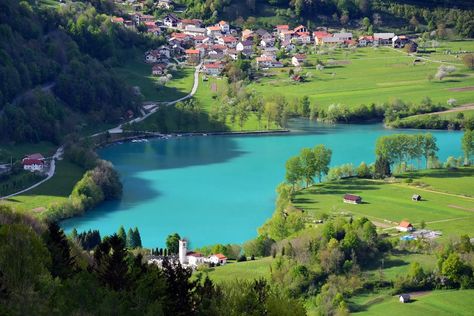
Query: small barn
(416, 197)
(352, 199)
(404, 298)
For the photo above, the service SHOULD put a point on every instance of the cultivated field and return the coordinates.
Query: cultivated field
(387, 204)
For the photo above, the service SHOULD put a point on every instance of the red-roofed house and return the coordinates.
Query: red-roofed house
(319, 35)
(300, 28)
(366, 40)
(228, 41)
(303, 37)
(281, 28)
(193, 56)
(213, 69)
(33, 162)
(218, 259)
(405, 226)
(117, 20)
(213, 30)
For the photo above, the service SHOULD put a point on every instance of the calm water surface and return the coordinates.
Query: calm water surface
(220, 189)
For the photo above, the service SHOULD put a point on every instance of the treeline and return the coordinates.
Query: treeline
(44, 273)
(55, 70)
(435, 121)
(99, 184)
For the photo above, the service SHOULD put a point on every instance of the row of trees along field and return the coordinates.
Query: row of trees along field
(55, 70)
(43, 273)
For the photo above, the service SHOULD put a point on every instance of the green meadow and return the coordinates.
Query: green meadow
(447, 302)
(138, 73)
(55, 190)
(368, 75)
(247, 270)
(386, 204)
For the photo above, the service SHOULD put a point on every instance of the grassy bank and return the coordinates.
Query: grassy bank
(247, 270)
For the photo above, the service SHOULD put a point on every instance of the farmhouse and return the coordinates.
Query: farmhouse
(33, 162)
(404, 298)
(195, 31)
(331, 40)
(352, 199)
(245, 45)
(366, 40)
(405, 226)
(186, 22)
(158, 70)
(213, 31)
(303, 37)
(298, 60)
(228, 41)
(343, 36)
(268, 62)
(319, 35)
(224, 26)
(247, 35)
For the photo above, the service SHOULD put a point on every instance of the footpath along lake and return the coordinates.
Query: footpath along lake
(220, 189)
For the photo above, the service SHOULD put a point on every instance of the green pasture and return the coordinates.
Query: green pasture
(447, 51)
(247, 270)
(18, 151)
(447, 302)
(387, 204)
(365, 76)
(138, 73)
(57, 189)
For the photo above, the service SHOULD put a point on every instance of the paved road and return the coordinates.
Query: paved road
(118, 129)
(52, 169)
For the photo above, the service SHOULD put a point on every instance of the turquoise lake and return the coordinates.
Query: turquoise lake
(220, 189)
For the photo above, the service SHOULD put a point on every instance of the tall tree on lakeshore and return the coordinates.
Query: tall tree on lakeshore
(130, 242)
(308, 165)
(172, 243)
(467, 144)
(322, 159)
(137, 240)
(294, 171)
(121, 233)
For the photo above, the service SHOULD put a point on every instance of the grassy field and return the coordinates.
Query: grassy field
(138, 73)
(369, 75)
(248, 270)
(55, 190)
(454, 302)
(387, 204)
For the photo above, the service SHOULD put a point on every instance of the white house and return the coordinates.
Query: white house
(194, 31)
(213, 31)
(218, 259)
(213, 69)
(171, 20)
(404, 298)
(383, 38)
(244, 45)
(34, 162)
(224, 26)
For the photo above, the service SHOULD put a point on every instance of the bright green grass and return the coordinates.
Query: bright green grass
(460, 181)
(368, 76)
(57, 189)
(209, 93)
(138, 73)
(438, 53)
(454, 302)
(388, 204)
(248, 270)
(18, 151)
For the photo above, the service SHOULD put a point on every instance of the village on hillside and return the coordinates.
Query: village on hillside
(213, 46)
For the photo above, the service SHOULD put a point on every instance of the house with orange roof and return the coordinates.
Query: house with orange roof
(224, 26)
(319, 35)
(213, 31)
(193, 56)
(218, 259)
(228, 41)
(405, 226)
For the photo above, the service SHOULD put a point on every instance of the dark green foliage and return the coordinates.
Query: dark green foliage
(382, 168)
(62, 263)
(111, 265)
(88, 240)
(172, 243)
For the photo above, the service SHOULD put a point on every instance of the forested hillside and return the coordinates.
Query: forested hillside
(421, 14)
(55, 70)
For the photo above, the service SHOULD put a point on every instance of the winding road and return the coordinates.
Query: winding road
(116, 130)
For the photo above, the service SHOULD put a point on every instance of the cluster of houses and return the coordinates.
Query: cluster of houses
(34, 162)
(190, 259)
(214, 45)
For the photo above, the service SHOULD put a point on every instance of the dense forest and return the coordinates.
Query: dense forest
(423, 15)
(55, 70)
